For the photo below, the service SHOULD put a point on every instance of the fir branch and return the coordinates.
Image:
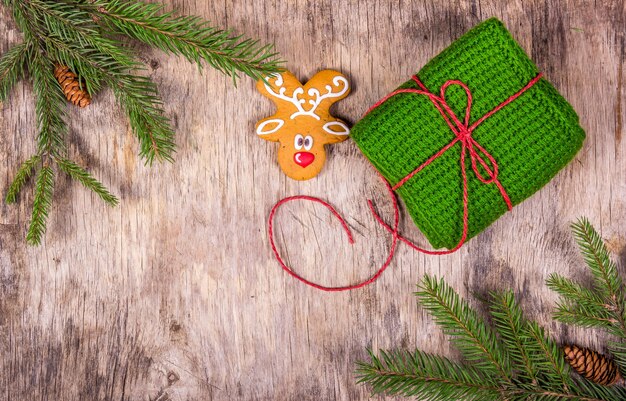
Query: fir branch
(188, 36)
(539, 371)
(547, 356)
(49, 106)
(41, 205)
(580, 315)
(20, 17)
(12, 66)
(89, 39)
(426, 376)
(597, 258)
(22, 175)
(137, 94)
(84, 177)
(147, 119)
(579, 305)
(510, 324)
(603, 306)
(571, 291)
(75, 27)
(469, 333)
(618, 352)
(591, 391)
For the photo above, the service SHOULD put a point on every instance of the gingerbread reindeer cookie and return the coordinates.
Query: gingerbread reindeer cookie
(303, 124)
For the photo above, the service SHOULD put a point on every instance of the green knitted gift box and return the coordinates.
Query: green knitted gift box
(531, 138)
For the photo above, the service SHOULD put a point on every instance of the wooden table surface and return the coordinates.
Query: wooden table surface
(175, 294)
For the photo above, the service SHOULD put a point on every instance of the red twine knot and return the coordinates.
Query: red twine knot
(478, 155)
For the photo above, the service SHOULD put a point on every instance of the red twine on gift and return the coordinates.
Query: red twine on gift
(463, 134)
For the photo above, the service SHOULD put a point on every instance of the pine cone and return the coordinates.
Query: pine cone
(71, 86)
(592, 365)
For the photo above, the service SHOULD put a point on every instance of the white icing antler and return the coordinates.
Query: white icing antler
(338, 82)
(281, 92)
(343, 128)
(262, 128)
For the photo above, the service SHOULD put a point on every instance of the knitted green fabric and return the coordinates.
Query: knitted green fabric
(531, 138)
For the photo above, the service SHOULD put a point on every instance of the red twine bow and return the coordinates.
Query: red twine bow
(463, 134)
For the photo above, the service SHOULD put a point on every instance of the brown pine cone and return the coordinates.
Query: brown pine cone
(592, 365)
(71, 86)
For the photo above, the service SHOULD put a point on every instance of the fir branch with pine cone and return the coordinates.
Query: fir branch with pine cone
(72, 49)
(513, 358)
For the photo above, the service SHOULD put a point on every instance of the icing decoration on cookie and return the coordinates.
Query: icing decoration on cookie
(302, 123)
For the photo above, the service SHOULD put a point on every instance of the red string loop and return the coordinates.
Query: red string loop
(334, 212)
(463, 134)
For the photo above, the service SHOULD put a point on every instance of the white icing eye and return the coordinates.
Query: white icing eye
(308, 143)
(298, 142)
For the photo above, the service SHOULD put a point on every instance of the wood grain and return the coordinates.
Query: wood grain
(175, 294)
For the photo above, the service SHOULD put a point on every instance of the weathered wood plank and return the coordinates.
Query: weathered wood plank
(175, 294)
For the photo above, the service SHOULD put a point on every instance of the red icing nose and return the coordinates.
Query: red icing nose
(303, 159)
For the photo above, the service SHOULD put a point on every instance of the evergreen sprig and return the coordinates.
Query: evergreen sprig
(476, 341)
(188, 36)
(512, 358)
(12, 67)
(41, 204)
(50, 107)
(513, 328)
(91, 38)
(22, 175)
(603, 304)
(84, 177)
(419, 374)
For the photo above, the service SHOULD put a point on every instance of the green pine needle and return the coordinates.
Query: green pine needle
(188, 36)
(92, 39)
(602, 306)
(428, 377)
(41, 205)
(597, 258)
(547, 356)
(469, 333)
(515, 360)
(572, 291)
(68, 30)
(511, 326)
(592, 391)
(12, 67)
(618, 352)
(144, 109)
(22, 175)
(78, 173)
(50, 106)
(137, 94)
(580, 315)
(538, 368)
